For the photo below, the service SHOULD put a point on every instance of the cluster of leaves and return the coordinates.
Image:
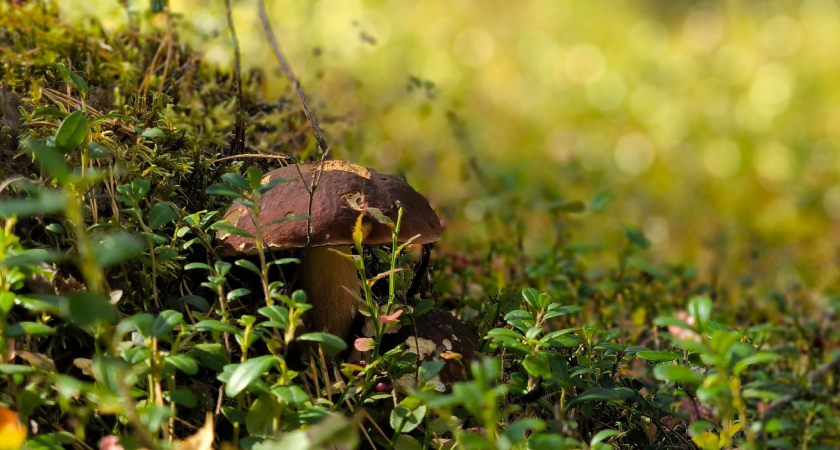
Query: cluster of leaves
(160, 332)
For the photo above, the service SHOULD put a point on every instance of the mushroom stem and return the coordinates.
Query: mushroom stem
(323, 276)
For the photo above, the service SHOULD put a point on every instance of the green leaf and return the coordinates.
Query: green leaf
(603, 435)
(497, 332)
(182, 397)
(21, 329)
(658, 356)
(80, 83)
(537, 366)
(212, 356)
(216, 326)
(236, 293)
(698, 428)
(152, 133)
(635, 237)
(197, 265)
(407, 414)
(183, 363)
(515, 432)
(161, 214)
(196, 302)
(600, 201)
(561, 311)
(518, 314)
(596, 394)
(165, 322)
(678, 374)
(225, 190)
(228, 228)
(255, 176)
(247, 372)
(47, 202)
(238, 181)
(11, 369)
(250, 266)
(72, 132)
(330, 343)
(572, 207)
(141, 322)
(262, 419)
(154, 416)
(49, 158)
(429, 369)
(87, 309)
(292, 394)
(97, 151)
(531, 296)
(33, 257)
(758, 358)
(139, 188)
(423, 306)
(276, 313)
(263, 188)
(668, 321)
(701, 309)
(48, 111)
(115, 248)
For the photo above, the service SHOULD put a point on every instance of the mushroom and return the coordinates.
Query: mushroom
(344, 191)
(435, 333)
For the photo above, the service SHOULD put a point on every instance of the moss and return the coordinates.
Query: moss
(158, 81)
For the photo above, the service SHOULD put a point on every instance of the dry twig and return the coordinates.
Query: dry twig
(239, 136)
(310, 116)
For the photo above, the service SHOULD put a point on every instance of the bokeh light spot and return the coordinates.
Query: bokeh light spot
(831, 202)
(649, 104)
(703, 29)
(656, 229)
(774, 162)
(781, 36)
(474, 210)
(650, 38)
(584, 64)
(474, 47)
(722, 158)
(560, 145)
(634, 154)
(607, 92)
(771, 91)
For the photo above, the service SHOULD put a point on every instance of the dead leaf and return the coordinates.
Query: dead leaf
(38, 361)
(85, 365)
(202, 440)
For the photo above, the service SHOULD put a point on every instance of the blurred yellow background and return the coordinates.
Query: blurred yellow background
(714, 125)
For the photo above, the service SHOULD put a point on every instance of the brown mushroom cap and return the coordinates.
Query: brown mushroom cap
(344, 191)
(436, 331)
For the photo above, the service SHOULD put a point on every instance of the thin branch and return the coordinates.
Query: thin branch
(811, 378)
(239, 138)
(310, 116)
(313, 122)
(252, 155)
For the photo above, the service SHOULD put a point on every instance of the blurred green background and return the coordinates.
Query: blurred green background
(713, 126)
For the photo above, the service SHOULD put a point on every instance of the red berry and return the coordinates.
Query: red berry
(384, 385)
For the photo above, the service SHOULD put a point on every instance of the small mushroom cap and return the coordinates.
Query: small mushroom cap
(345, 190)
(436, 331)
